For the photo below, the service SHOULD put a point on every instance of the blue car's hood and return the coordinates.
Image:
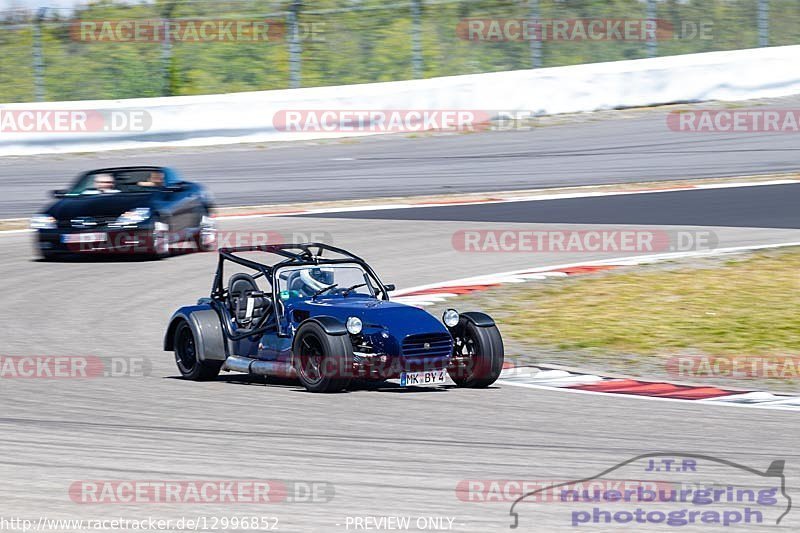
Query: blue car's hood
(399, 320)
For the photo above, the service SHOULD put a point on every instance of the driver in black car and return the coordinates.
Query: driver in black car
(156, 180)
(103, 184)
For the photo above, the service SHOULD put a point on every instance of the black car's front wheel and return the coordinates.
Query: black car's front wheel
(206, 236)
(186, 356)
(478, 355)
(323, 362)
(160, 240)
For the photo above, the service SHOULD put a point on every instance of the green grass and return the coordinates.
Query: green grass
(747, 306)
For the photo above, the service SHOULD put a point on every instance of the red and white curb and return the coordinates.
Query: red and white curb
(429, 295)
(425, 295)
(586, 383)
(549, 378)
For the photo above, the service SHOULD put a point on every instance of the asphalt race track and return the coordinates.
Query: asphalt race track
(770, 206)
(638, 147)
(385, 452)
(380, 451)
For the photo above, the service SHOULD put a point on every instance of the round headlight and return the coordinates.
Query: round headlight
(354, 325)
(450, 318)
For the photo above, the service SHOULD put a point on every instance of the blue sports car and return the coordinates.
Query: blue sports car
(326, 321)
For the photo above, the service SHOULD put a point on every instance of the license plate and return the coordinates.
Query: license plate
(422, 379)
(72, 238)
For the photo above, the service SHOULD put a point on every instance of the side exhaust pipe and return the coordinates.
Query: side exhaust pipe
(260, 368)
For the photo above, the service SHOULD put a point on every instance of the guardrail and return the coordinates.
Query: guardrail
(81, 126)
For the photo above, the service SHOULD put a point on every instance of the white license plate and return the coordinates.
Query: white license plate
(71, 238)
(422, 379)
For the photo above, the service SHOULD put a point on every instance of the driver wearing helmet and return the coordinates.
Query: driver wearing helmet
(316, 279)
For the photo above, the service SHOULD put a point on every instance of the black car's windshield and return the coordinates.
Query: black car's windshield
(115, 182)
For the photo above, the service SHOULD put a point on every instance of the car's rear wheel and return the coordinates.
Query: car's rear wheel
(186, 356)
(478, 353)
(323, 362)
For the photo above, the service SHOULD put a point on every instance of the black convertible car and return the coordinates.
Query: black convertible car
(135, 210)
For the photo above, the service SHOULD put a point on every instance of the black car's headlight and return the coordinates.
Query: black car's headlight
(43, 222)
(133, 217)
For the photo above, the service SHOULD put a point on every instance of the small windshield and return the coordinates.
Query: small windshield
(141, 180)
(304, 281)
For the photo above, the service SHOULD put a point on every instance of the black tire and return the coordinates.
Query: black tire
(324, 363)
(205, 230)
(186, 356)
(483, 350)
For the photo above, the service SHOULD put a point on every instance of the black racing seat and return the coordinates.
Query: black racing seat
(246, 310)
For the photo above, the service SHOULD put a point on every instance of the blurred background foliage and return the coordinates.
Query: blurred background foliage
(356, 41)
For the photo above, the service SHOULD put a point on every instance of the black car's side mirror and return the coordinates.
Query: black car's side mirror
(390, 287)
(58, 193)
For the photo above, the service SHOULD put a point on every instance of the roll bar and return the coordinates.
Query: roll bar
(309, 253)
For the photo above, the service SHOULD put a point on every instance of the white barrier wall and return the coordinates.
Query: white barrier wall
(248, 117)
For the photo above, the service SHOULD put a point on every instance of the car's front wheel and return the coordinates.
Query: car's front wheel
(323, 362)
(186, 358)
(206, 236)
(478, 355)
(160, 240)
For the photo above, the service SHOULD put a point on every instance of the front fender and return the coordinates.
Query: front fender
(331, 325)
(481, 320)
(207, 329)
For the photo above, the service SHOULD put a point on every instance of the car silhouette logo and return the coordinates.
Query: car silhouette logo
(678, 464)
